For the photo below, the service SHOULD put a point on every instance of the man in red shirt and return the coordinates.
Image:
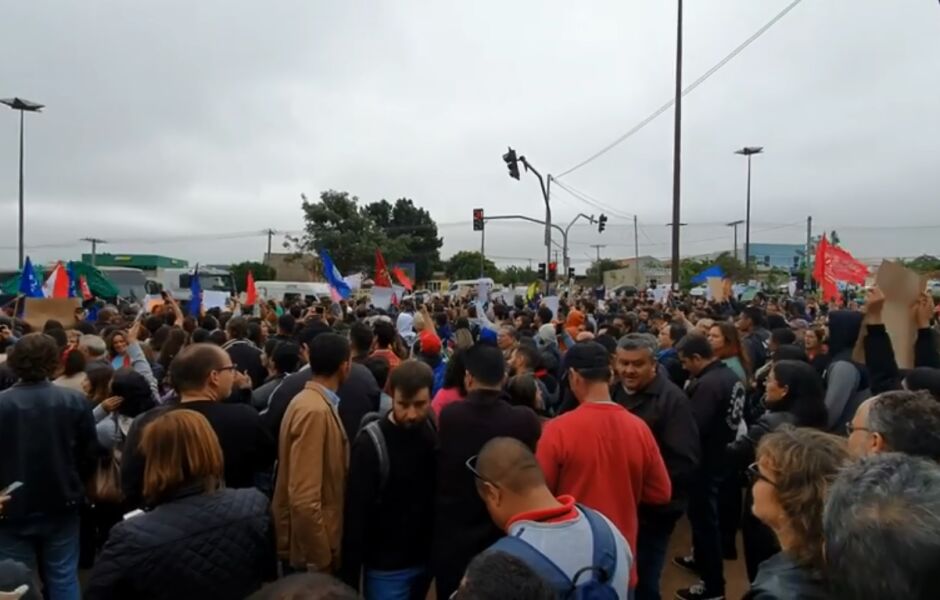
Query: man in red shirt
(599, 452)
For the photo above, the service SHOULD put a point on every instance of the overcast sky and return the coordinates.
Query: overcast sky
(177, 118)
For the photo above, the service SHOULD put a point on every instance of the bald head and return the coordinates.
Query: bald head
(194, 365)
(511, 465)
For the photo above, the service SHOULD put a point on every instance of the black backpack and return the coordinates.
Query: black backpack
(369, 425)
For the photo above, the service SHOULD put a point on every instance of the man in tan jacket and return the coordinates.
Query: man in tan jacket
(313, 455)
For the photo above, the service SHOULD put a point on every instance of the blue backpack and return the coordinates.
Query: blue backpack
(595, 585)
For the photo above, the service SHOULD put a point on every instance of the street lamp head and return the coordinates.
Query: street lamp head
(23, 104)
(733, 223)
(749, 150)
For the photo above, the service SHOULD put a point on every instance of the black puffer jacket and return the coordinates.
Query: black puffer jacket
(780, 578)
(197, 546)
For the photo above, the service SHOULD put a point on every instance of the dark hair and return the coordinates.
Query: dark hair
(695, 345)
(360, 337)
(286, 357)
(134, 389)
(158, 338)
(51, 325)
(328, 352)
(455, 375)
(495, 575)
(74, 362)
(153, 323)
(306, 586)
(790, 352)
(287, 323)
(909, 422)
(237, 328)
(379, 367)
(677, 331)
(485, 364)
(200, 336)
(545, 315)
(783, 335)
(99, 380)
(191, 368)
(175, 340)
(410, 377)
(882, 529)
(85, 327)
(310, 332)
(209, 323)
(61, 338)
(34, 357)
(733, 339)
(844, 326)
(530, 355)
(255, 333)
(522, 391)
(806, 394)
(385, 333)
(924, 378)
(755, 314)
(218, 337)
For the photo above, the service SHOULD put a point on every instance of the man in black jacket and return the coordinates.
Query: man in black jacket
(387, 523)
(463, 527)
(245, 355)
(717, 397)
(752, 323)
(48, 443)
(359, 394)
(645, 390)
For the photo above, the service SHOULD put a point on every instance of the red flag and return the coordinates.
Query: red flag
(402, 278)
(83, 288)
(57, 286)
(251, 292)
(381, 271)
(835, 264)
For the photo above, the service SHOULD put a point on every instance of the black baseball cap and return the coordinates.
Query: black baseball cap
(587, 357)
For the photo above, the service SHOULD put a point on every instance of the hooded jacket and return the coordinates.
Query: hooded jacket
(847, 382)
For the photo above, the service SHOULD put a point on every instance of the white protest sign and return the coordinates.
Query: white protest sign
(214, 299)
(552, 303)
(382, 297)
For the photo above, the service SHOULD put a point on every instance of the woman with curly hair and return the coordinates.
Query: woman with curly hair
(790, 479)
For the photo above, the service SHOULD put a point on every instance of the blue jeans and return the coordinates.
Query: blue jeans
(55, 541)
(706, 533)
(651, 546)
(407, 584)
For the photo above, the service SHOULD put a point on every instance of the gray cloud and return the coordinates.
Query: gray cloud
(177, 118)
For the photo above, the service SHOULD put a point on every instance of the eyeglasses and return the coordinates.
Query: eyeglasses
(754, 475)
(471, 465)
(850, 428)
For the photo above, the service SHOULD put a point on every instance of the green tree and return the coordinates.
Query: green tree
(595, 272)
(466, 265)
(414, 229)
(514, 275)
(338, 224)
(689, 268)
(261, 272)
(923, 264)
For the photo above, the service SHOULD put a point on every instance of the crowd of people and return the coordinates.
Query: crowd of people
(488, 451)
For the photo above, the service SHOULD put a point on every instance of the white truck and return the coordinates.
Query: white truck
(177, 281)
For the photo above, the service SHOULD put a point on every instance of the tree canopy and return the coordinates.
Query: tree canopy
(352, 232)
(261, 272)
(466, 265)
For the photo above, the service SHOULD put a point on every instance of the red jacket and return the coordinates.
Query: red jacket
(609, 460)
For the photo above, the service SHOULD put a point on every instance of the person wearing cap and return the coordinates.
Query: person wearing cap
(599, 452)
(429, 352)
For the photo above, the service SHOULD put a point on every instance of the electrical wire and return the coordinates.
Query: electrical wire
(639, 126)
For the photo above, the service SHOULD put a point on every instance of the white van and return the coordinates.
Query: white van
(286, 291)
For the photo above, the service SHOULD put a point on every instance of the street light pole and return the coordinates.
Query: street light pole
(23, 106)
(677, 154)
(748, 151)
(735, 225)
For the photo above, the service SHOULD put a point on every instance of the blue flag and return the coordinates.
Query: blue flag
(30, 285)
(333, 276)
(73, 282)
(712, 271)
(195, 303)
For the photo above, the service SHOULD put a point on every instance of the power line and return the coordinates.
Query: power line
(636, 128)
(593, 203)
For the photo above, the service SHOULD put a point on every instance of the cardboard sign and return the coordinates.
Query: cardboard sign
(717, 290)
(901, 288)
(36, 311)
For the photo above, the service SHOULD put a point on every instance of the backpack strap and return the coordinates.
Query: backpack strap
(537, 561)
(381, 449)
(605, 546)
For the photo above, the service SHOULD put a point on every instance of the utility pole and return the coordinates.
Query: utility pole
(675, 258)
(749, 152)
(735, 225)
(807, 279)
(267, 257)
(482, 252)
(511, 159)
(94, 248)
(677, 154)
(636, 250)
(598, 248)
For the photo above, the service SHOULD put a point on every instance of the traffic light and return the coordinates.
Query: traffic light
(552, 271)
(478, 219)
(602, 224)
(571, 273)
(542, 271)
(512, 162)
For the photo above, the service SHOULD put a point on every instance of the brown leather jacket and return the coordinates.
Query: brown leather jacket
(313, 456)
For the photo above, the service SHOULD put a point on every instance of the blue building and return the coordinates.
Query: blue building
(781, 256)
